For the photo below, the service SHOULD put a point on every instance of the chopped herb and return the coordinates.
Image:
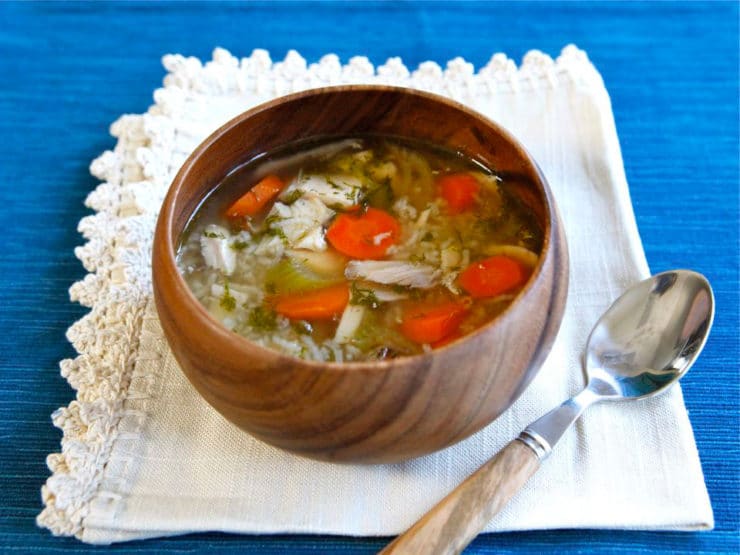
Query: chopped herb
(273, 231)
(293, 196)
(381, 194)
(239, 245)
(269, 220)
(276, 232)
(213, 235)
(364, 297)
(227, 302)
(263, 319)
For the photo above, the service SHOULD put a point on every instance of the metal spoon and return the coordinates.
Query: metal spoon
(642, 344)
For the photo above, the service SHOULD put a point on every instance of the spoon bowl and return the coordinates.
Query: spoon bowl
(650, 336)
(643, 343)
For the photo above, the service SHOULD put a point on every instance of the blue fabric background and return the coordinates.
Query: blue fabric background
(68, 70)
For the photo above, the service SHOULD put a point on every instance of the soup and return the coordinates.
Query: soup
(359, 248)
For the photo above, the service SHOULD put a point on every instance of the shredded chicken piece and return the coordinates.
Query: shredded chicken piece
(403, 208)
(386, 294)
(334, 190)
(301, 222)
(407, 274)
(216, 249)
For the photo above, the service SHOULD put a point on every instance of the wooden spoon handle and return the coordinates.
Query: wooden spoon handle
(453, 522)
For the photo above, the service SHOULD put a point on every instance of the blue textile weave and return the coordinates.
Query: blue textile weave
(67, 70)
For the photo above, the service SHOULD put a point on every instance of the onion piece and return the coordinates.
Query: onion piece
(521, 254)
(349, 323)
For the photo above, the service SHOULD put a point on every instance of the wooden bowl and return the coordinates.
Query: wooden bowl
(377, 411)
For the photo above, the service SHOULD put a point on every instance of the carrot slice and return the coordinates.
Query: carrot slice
(254, 200)
(364, 235)
(460, 190)
(319, 304)
(493, 276)
(432, 323)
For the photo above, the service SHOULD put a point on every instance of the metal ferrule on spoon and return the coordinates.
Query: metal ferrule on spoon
(542, 434)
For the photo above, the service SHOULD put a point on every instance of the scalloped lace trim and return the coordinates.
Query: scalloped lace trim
(195, 100)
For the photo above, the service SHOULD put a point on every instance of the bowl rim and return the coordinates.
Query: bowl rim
(166, 218)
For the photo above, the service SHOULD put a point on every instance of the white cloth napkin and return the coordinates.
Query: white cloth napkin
(143, 455)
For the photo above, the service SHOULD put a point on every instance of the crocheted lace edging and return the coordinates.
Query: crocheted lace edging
(135, 176)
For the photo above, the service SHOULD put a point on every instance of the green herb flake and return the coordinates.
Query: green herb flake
(363, 297)
(293, 196)
(227, 302)
(381, 195)
(262, 319)
(272, 230)
(239, 245)
(277, 232)
(269, 220)
(213, 235)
